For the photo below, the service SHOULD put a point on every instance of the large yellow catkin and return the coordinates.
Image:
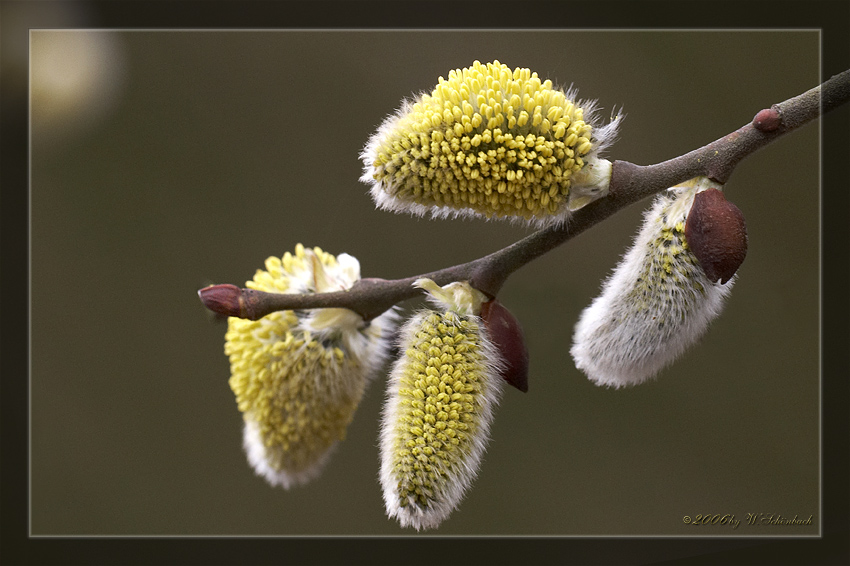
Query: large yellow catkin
(489, 141)
(299, 377)
(441, 396)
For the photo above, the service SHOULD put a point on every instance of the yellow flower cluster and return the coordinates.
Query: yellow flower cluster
(437, 401)
(299, 377)
(488, 140)
(443, 390)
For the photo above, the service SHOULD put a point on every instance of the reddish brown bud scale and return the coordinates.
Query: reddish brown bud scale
(222, 299)
(767, 120)
(717, 235)
(506, 333)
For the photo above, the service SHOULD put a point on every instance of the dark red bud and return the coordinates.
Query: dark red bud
(222, 299)
(506, 334)
(717, 234)
(767, 120)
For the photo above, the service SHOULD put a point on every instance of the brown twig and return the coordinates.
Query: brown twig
(629, 184)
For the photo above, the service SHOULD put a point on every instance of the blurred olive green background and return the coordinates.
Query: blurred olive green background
(164, 161)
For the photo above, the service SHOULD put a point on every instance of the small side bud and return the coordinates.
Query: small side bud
(717, 235)
(767, 120)
(507, 336)
(222, 299)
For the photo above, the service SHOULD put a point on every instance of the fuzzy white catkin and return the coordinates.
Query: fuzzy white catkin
(656, 304)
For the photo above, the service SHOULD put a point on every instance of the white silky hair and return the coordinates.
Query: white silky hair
(641, 322)
(455, 481)
(257, 453)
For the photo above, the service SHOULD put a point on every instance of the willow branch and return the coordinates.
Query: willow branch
(629, 184)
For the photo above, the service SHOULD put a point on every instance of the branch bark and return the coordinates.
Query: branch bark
(629, 184)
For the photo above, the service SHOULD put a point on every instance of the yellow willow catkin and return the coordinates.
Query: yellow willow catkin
(441, 397)
(490, 141)
(298, 377)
